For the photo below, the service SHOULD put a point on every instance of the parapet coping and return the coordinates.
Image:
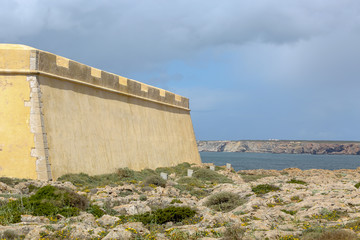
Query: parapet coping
(61, 68)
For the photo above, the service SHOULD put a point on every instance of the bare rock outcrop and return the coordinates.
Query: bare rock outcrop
(276, 146)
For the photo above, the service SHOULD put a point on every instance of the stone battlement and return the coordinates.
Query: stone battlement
(48, 64)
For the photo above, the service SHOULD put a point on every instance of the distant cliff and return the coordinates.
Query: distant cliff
(281, 146)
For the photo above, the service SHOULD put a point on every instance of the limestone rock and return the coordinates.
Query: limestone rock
(36, 233)
(118, 232)
(131, 209)
(138, 226)
(107, 220)
(34, 219)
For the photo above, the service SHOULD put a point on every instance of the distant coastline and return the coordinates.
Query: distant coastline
(282, 146)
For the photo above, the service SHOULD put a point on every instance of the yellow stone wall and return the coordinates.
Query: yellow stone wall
(84, 119)
(16, 140)
(97, 131)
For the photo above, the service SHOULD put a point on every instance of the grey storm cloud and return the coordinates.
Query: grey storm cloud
(144, 34)
(288, 63)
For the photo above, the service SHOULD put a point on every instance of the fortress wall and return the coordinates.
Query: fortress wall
(97, 132)
(87, 120)
(16, 140)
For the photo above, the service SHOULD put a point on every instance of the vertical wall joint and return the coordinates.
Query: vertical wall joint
(40, 150)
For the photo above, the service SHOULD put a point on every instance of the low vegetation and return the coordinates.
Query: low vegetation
(180, 170)
(211, 176)
(252, 177)
(264, 188)
(224, 201)
(234, 232)
(9, 234)
(11, 181)
(329, 215)
(47, 201)
(328, 234)
(155, 180)
(295, 181)
(83, 180)
(171, 204)
(161, 216)
(121, 176)
(192, 182)
(96, 211)
(290, 212)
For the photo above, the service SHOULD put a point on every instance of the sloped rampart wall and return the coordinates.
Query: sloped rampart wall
(75, 118)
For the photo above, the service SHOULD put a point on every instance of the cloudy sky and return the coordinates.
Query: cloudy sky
(252, 69)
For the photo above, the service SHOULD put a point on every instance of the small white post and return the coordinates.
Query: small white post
(164, 176)
(212, 168)
(190, 172)
(228, 166)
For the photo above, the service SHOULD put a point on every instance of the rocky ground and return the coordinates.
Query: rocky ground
(251, 204)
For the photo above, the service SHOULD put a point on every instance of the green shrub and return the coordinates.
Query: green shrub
(264, 188)
(47, 201)
(11, 181)
(224, 201)
(218, 168)
(296, 199)
(288, 237)
(291, 212)
(297, 181)
(9, 235)
(355, 225)
(357, 185)
(96, 211)
(234, 232)
(32, 188)
(60, 197)
(199, 193)
(143, 174)
(81, 179)
(85, 181)
(190, 181)
(252, 177)
(142, 197)
(169, 214)
(175, 200)
(125, 173)
(211, 176)
(177, 234)
(329, 215)
(155, 180)
(193, 186)
(179, 170)
(161, 216)
(329, 234)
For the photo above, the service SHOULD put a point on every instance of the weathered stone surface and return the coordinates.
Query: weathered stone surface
(118, 232)
(34, 219)
(107, 220)
(131, 209)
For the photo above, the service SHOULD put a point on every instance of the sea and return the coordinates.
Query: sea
(246, 161)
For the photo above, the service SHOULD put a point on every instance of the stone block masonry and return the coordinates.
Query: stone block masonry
(59, 116)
